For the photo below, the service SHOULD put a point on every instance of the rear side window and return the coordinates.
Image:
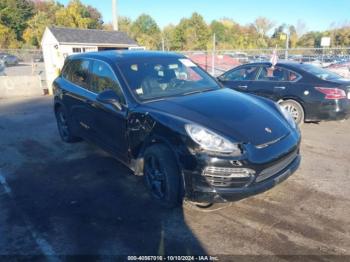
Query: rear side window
(65, 71)
(242, 74)
(276, 74)
(103, 78)
(78, 73)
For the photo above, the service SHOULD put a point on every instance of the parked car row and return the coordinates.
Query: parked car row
(167, 119)
(307, 92)
(8, 59)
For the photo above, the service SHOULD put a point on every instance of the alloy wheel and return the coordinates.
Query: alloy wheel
(62, 125)
(155, 177)
(293, 111)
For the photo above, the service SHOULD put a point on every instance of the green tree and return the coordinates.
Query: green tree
(124, 24)
(192, 33)
(7, 38)
(293, 37)
(36, 27)
(146, 32)
(79, 16)
(310, 39)
(169, 37)
(14, 14)
(49, 7)
(342, 37)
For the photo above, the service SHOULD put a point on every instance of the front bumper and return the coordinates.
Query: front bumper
(270, 167)
(220, 195)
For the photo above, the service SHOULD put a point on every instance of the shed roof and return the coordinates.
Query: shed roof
(91, 36)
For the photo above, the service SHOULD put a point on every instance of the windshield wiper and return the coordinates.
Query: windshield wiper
(197, 91)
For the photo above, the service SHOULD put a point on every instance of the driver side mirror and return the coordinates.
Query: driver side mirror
(111, 98)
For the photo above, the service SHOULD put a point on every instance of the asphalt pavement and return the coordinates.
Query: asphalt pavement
(75, 199)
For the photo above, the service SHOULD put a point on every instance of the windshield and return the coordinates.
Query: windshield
(165, 77)
(320, 72)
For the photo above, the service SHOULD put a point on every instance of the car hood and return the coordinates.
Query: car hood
(239, 117)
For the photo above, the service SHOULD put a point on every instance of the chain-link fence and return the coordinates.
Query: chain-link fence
(217, 62)
(22, 62)
(28, 62)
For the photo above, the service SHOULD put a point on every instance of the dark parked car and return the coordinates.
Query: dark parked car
(9, 60)
(167, 119)
(309, 93)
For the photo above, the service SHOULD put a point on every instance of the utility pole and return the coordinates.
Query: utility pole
(163, 44)
(115, 15)
(213, 56)
(287, 32)
(287, 46)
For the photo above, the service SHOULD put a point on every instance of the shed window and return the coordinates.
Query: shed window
(76, 50)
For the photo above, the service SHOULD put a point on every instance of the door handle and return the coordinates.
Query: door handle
(280, 87)
(243, 87)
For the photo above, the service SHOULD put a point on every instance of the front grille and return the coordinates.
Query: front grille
(275, 169)
(228, 177)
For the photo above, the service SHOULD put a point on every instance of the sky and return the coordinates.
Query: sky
(318, 15)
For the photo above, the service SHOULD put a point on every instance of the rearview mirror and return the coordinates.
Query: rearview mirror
(110, 97)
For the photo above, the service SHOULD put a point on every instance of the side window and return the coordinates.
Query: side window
(79, 73)
(65, 70)
(102, 78)
(277, 74)
(242, 74)
(291, 76)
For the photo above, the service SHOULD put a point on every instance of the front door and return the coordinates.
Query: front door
(273, 82)
(240, 78)
(109, 122)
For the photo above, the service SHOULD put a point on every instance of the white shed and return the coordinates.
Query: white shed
(58, 43)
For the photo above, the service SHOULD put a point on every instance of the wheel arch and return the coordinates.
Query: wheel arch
(152, 139)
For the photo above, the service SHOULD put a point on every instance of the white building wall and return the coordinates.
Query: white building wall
(55, 54)
(49, 46)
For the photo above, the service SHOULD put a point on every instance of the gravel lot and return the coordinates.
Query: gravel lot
(59, 199)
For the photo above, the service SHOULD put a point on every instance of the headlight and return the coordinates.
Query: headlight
(210, 141)
(287, 116)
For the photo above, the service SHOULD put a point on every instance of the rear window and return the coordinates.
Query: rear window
(320, 72)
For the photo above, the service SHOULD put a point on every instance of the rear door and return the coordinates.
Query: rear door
(240, 78)
(75, 94)
(275, 83)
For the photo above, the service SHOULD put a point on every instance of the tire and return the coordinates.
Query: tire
(162, 176)
(295, 109)
(63, 126)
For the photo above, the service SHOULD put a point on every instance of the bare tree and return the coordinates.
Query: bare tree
(263, 25)
(301, 28)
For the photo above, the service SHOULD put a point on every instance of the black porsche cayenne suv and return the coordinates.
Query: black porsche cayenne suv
(167, 119)
(307, 92)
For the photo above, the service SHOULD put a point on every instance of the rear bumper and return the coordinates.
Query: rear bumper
(328, 110)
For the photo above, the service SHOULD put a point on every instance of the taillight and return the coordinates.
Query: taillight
(332, 93)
